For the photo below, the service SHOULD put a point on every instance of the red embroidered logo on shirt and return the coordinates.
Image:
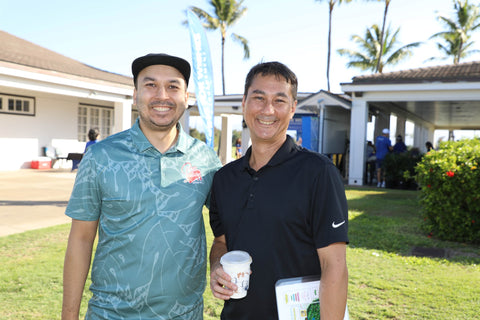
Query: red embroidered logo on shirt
(191, 173)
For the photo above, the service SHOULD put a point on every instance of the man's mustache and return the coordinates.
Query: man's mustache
(161, 104)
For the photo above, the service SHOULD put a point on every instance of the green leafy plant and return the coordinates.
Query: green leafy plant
(400, 169)
(450, 191)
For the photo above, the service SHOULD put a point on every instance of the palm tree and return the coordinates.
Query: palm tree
(467, 20)
(331, 4)
(367, 59)
(226, 13)
(382, 33)
(379, 61)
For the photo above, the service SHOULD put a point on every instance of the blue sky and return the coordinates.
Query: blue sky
(109, 34)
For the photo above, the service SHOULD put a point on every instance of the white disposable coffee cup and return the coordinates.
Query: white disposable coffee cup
(237, 264)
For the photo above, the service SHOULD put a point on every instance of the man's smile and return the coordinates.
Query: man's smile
(265, 122)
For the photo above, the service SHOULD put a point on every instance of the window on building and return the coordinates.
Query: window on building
(91, 116)
(17, 105)
(106, 122)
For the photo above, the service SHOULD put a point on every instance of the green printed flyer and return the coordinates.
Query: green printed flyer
(298, 298)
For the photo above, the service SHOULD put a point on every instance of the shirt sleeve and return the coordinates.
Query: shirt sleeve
(215, 222)
(329, 208)
(215, 164)
(84, 203)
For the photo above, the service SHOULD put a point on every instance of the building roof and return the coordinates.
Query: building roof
(469, 71)
(21, 52)
(339, 97)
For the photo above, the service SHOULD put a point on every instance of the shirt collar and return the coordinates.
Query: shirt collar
(285, 152)
(142, 143)
(182, 142)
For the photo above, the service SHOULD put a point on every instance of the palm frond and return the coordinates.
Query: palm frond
(368, 55)
(208, 21)
(454, 40)
(244, 42)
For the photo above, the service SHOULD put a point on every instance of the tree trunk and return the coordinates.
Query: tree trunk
(223, 63)
(459, 53)
(379, 61)
(329, 44)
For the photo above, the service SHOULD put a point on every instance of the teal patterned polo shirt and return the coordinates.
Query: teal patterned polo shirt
(150, 261)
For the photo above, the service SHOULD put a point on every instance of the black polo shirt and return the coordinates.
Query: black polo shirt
(280, 215)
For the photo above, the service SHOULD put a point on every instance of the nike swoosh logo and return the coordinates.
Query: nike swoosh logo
(337, 225)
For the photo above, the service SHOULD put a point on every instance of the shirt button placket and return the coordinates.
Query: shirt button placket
(251, 196)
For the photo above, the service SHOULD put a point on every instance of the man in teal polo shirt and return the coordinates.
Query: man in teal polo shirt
(143, 189)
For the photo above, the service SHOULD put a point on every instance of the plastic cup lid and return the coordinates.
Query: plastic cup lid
(235, 257)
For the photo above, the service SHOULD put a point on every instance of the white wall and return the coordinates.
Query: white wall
(22, 138)
(17, 152)
(56, 119)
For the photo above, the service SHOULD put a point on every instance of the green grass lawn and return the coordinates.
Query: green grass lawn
(385, 281)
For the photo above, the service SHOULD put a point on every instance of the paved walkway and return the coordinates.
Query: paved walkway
(33, 199)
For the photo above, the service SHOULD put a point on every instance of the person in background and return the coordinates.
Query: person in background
(370, 163)
(143, 190)
(238, 148)
(252, 207)
(429, 146)
(383, 146)
(92, 138)
(399, 146)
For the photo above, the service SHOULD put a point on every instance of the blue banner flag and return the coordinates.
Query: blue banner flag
(202, 75)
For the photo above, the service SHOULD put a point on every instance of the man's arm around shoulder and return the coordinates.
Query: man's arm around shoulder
(76, 266)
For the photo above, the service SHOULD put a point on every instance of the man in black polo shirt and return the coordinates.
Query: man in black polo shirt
(281, 203)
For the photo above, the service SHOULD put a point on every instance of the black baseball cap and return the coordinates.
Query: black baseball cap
(160, 58)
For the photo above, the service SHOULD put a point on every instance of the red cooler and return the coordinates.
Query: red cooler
(41, 163)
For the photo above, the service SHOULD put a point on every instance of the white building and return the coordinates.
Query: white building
(435, 98)
(49, 100)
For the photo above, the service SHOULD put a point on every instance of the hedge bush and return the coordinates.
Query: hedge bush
(450, 191)
(400, 169)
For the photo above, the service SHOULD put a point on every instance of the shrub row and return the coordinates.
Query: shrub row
(400, 169)
(449, 180)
